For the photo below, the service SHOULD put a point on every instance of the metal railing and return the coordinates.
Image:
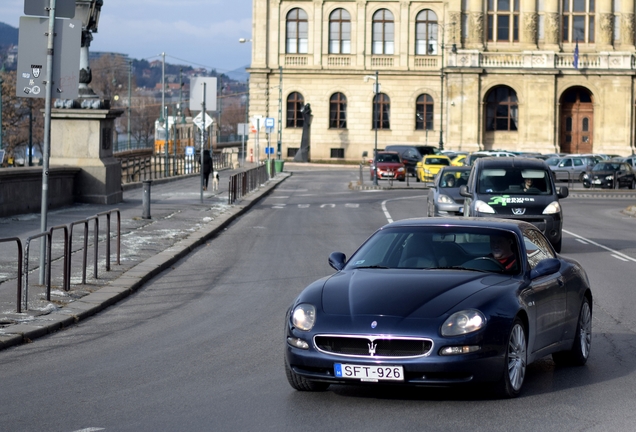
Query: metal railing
(242, 183)
(139, 168)
(23, 258)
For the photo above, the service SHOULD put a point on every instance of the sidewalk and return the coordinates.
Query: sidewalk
(179, 223)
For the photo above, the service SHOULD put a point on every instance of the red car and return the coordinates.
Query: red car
(389, 165)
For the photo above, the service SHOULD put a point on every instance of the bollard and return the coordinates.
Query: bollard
(146, 199)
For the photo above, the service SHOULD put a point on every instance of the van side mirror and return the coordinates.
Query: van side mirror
(563, 192)
(463, 191)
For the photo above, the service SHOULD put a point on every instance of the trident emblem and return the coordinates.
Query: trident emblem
(372, 348)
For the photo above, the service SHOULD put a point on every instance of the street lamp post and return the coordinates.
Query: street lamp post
(375, 118)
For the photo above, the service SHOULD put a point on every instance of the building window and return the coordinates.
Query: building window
(297, 32)
(338, 111)
(426, 33)
(337, 153)
(578, 21)
(502, 109)
(295, 103)
(381, 111)
(503, 21)
(340, 32)
(424, 112)
(291, 151)
(383, 32)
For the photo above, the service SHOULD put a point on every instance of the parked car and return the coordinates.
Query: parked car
(458, 160)
(428, 302)
(610, 175)
(516, 188)
(472, 157)
(430, 165)
(570, 168)
(444, 198)
(412, 154)
(389, 166)
(631, 160)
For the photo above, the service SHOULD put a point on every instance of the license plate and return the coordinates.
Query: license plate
(369, 373)
(597, 182)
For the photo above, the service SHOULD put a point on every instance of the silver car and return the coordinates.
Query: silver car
(570, 168)
(443, 197)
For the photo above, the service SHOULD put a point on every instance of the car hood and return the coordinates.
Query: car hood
(603, 173)
(387, 165)
(402, 293)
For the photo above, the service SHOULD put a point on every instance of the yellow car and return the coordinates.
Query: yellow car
(458, 160)
(430, 165)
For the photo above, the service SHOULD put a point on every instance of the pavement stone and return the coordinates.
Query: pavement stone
(179, 223)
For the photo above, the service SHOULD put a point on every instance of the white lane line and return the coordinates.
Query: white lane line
(386, 212)
(618, 257)
(614, 253)
(581, 241)
(90, 429)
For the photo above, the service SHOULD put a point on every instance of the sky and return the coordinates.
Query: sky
(201, 33)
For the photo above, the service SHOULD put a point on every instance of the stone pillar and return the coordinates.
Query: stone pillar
(529, 24)
(260, 34)
(627, 24)
(84, 138)
(605, 26)
(476, 18)
(552, 37)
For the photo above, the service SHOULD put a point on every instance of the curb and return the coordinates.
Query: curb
(135, 278)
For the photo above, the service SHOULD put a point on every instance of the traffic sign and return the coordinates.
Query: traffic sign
(32, 61)
(269, 150)
(189, 151)
(196, 93)
(269, 122)
(63, 8)
(198, 120)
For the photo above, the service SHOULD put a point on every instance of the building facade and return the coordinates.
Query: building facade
(467, 75)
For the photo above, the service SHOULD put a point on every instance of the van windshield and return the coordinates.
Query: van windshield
(514, 181)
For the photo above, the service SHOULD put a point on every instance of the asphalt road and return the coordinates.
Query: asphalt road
(201, 346)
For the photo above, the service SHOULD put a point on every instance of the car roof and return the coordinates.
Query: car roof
(477, 222)
(456, 168)
(516, 162)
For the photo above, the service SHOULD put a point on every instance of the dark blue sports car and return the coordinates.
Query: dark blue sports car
(440, 302)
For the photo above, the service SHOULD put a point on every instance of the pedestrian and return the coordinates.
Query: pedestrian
(207, 167)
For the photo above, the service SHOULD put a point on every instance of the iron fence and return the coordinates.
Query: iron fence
(139, 168)
(245, 182)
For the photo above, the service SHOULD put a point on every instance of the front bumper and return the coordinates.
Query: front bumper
(550, 225)
(448, 209)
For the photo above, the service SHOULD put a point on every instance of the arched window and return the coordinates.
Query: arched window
(503, 20)
(381, 111)
(383, 32)
(578, 21)
(297, 32)
(295, 103)
(424, 112)
(340, 32)
(426, 33)
(338, 111)
(501, 109)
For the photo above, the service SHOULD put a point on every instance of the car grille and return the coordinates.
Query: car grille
(372, 346)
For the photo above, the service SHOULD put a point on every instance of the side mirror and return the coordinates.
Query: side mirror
(546, 267)
(337, 260)
(463, 191)
(563, 192)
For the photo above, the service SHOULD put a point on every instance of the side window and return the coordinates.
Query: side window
(537, 247)
(566, 163)
(578, 162)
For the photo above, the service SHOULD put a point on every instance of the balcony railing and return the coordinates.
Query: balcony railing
(543, 60)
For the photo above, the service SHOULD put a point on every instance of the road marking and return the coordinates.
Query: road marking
(614, 253)
(90, 429)
(303, 205)
(352, 205)
(386, 212)
(280, 197)
(327, 205)
(618, 257)
(581, 241)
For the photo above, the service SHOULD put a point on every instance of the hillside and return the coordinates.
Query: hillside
(8, 35)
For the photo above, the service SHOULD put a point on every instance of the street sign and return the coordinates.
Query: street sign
(198, 120)
(32, 64)
(269, 150)
(257, 122)
(242, 129)
(269, 122)
(189, 151)
(63, 8)
(196, 93)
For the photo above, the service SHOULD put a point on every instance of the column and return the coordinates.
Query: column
(317, 33)
(627, 24)
(605, 25)
(552, 23)
(475, 25)
(260, 43)
(529, 24)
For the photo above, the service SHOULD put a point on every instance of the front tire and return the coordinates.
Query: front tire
(515, 361)
(580, 351)
(301, 384)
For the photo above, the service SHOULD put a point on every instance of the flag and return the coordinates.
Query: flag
(575, 63)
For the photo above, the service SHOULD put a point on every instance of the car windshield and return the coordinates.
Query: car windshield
(440, 247)
(388, 157)
(604, 166)
(437, 161)
(553, 161)
(453, 179)
(514, 181)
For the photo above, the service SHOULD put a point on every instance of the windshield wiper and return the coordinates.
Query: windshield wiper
(371, 267)
(462, 268)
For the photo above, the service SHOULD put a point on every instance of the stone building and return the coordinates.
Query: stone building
(521, 75)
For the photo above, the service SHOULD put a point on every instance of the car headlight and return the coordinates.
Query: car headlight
(482, 207)
(400, 170)
(444, 199)
(586, 176)
(609, 177)
(304, 316)
(463, 322)
(552, 208)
